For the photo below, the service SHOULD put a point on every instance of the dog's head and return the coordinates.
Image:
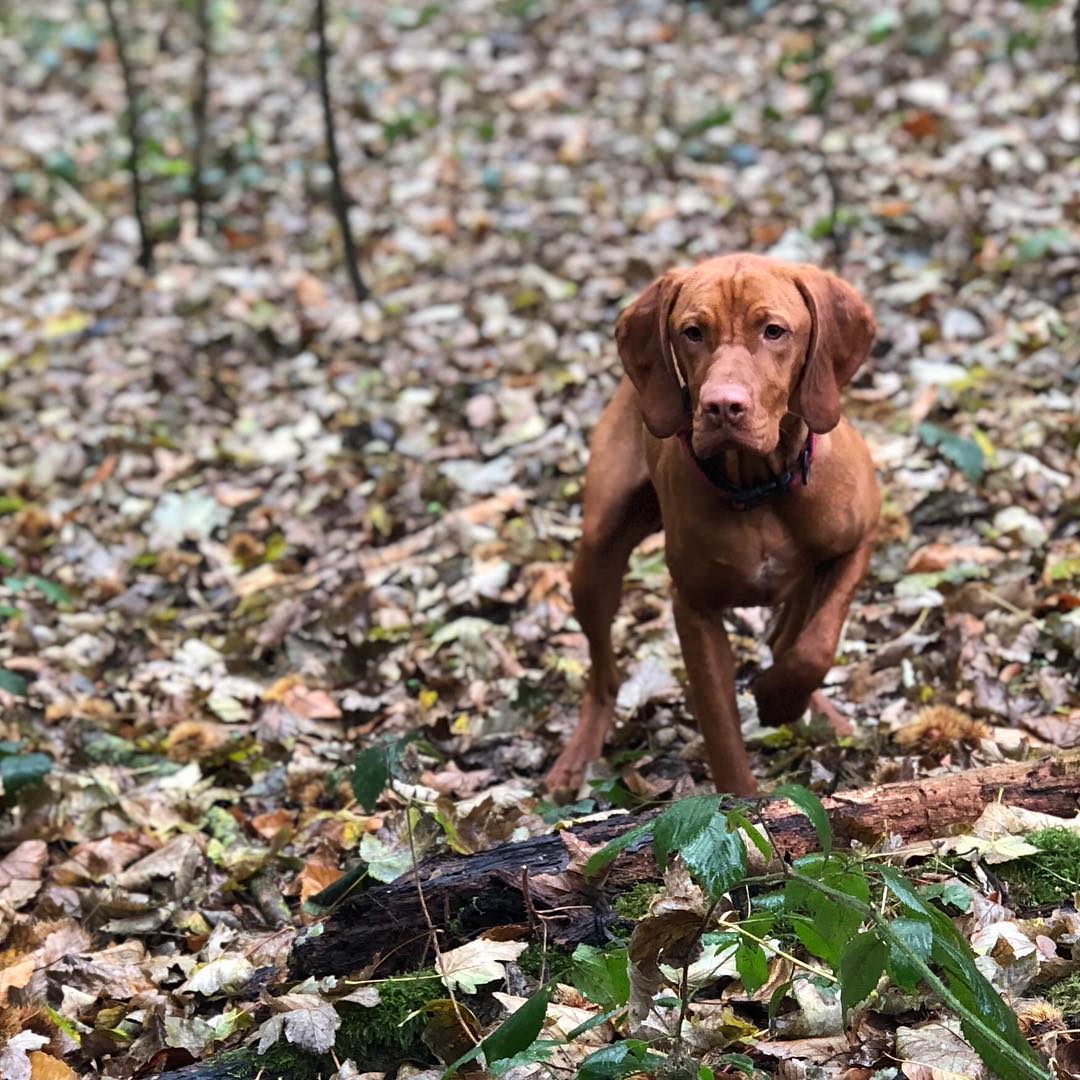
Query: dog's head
(753, 339)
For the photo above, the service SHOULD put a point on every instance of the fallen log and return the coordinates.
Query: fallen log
(533, 880)
(529, 881)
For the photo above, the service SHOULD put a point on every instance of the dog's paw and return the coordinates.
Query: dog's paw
(780, 697)
(564, 779)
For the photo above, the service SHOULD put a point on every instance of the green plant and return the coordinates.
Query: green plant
(18, 769)
(1066, 996)
(856, 921)
(1045, 878)
(634, 903)
(17, 584)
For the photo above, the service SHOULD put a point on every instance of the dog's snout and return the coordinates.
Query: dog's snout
(726, 402)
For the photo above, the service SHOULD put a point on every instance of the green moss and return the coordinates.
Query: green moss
(634, 903)
(558, 962)
(391, 1025)
(375, 1038)
(1066, 996)
(1050, 876)
(780, 739)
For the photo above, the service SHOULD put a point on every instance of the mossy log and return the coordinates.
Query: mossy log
(527, 881)
(533, 881)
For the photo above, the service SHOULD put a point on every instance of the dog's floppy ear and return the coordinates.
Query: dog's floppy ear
(641, 334)
(841, 333)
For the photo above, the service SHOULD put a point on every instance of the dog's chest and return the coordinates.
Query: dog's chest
(735, 559)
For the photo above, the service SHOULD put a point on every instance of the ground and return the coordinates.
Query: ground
(250, 525)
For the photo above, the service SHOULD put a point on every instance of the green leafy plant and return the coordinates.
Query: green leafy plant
(965, 454)
(19, 769)
(373, 768)
(862, 921)
(17, 584)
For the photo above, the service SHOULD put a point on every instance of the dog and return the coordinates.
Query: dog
(726, 432)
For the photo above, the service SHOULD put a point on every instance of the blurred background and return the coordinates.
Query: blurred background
(250, 522)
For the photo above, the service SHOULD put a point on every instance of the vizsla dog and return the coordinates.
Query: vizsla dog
(726, 432)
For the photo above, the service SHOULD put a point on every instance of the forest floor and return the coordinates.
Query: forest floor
(249, 525)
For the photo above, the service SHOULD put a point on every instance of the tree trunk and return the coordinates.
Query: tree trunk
(528, 881)
(146, 250)
(200, 113)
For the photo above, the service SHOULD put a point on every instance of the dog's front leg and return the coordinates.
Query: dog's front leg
(710, 667)
(804, 652)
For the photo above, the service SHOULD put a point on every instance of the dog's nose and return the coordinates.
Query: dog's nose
(725, 402)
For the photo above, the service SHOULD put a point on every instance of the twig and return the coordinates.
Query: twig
(440, 967)
(200, 110)
(819, 972)
(146, 250)
(838, 237)
(684, 1006)
(684, 991)
(391, 979)
(534, 921)
(341, 203)
(1011, 608)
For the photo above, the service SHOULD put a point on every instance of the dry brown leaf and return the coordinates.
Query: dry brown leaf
(1067, 1059)
(177, 861)
(936, 1051)
(45, 1067)
(310, 291)
(193, 740)
(268, 825)
(672, 937)
(457, 782)
(20, 872)
(15, 976)
(315, 877)
(97, 859)
(477, 963)
(932, 558)
(311, 704)
(1061, 731)
(451, 1029)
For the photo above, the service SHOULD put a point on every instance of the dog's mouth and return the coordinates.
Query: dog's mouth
(709, 445)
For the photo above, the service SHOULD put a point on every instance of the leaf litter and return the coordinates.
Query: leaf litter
(249, 526)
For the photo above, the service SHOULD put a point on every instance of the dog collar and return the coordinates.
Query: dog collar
(747, 498)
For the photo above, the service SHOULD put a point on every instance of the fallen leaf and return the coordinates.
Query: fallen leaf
(20, 873)
(45, 1067)
(476, 963)
(308, 1021)
(14, 1057)
(226, 975)
(937, 1051)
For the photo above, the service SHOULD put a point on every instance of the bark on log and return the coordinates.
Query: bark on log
(467, 895)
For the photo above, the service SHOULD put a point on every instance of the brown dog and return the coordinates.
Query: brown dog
(727, 433)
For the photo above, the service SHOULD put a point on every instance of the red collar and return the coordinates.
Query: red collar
(748, 498)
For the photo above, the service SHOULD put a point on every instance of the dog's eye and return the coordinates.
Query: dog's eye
(692, 333)
(774, 332)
